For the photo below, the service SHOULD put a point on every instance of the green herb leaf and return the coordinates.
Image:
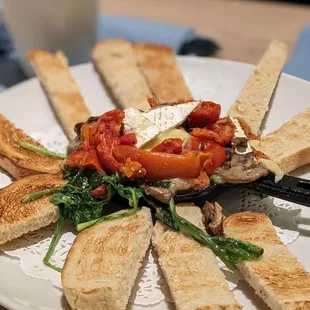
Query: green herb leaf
(230, 251)
(36, 195)
(164, 184)
(52, 246)
(40, 150)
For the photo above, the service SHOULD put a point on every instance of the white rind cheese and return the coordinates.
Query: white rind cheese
(170, 116)
(135, 122)
(239, 134)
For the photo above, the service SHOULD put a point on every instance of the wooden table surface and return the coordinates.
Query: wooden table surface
(242, 28)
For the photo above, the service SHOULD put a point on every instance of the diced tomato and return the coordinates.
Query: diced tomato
(225, 129)
(84, 159)
(202, 181)
(128, 139)
(207, 135)
(172, 146)
(152, 102)
(207, 112)
(100, 191)
(133, 169)
(161, 166)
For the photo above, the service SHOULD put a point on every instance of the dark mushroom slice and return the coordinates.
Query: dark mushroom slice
(213, 214)
(160, 193)
(242, 169)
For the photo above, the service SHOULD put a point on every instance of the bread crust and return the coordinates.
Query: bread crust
(103, 262)
(191, 270)
(17, 218)
(61, 89)
(277, 276)
(19, 162)
(115, 62)
(253, 101)
(159, 66)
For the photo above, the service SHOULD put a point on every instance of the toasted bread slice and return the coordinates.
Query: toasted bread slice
(103, 262)
(117, 66)
(277, 276)
(289, 146)
(159, 65)
(253, 101)
(191, 270)
(61, 89)
(19, 162)
(18, 218)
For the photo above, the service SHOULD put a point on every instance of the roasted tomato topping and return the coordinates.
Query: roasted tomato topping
(98, 142)
(133, 169)
(202, 181)
(128, 139)
(100, 191)
(225, 129)
(247, 130)
(205, 114)
(152, 102)
(88, 136)
(207, 135)
(172, 146)
(84, 159)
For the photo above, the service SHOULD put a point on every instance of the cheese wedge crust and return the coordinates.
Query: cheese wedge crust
(19, 162)
(277, 276)
(169, 116)
(159, 66)
(17, 218)
(253, 101)
(62, 91)
(144, 129)
(191, 270)
(103, 262)
(117, 66)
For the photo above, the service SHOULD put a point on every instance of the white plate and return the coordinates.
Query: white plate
(209, 79)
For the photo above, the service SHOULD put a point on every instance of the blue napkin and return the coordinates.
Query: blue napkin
(299, 62)
(181, 39)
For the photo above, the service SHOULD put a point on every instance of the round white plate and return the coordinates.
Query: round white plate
(209, 79)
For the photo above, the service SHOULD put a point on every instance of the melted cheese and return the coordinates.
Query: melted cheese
(168, 134)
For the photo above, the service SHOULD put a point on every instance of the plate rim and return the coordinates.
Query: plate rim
(179, 57)
(10, 303)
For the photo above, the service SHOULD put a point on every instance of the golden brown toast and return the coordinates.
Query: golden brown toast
(103, 262)
(191, 269)
(159, 66)
(289, 146)
(253, 101)
(17, 218)
(277, 276)
(62, 91)
(115, 62)
(19, 162)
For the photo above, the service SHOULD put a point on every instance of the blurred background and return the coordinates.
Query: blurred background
(237, 30)
(243, 28)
